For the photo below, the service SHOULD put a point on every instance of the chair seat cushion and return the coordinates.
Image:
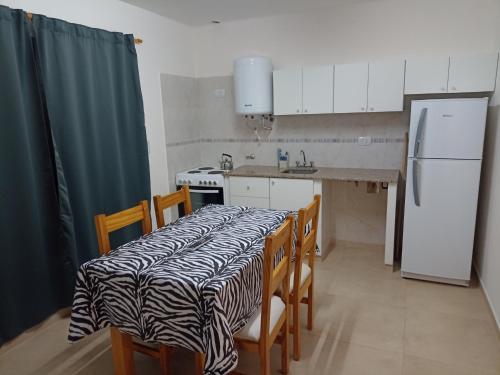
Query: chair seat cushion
(251, 331)
(304, 274)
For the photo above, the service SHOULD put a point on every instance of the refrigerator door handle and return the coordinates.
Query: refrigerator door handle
(416, 192)
(418, 135)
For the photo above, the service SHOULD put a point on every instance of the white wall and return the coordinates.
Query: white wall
(168, 47)
(352, 33)
(487, 256)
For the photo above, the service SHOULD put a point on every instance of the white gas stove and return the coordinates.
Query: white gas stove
(206, 186)
(201, 176)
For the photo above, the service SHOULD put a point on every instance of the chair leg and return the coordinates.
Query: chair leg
(165, 359)
(123, 354)
(265, 360)
(200, 363)
(310, 307)
(285, 360)
(296, 328)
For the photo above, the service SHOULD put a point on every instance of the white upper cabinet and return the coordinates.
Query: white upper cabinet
(287, 91)
(473, 73)
(350, 91)
(386, 82)
(317, 89)
(427, 75)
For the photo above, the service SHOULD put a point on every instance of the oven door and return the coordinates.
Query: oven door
(203, 195)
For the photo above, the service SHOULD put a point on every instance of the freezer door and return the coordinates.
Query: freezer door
(448, 129)
(440, 215)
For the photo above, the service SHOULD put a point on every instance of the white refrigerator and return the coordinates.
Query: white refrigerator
(442, 185)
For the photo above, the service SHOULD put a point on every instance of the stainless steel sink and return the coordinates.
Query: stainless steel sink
(300, 170)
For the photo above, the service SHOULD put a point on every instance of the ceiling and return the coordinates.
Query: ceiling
(203, 12)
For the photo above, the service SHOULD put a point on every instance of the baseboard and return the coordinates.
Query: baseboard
(485, 292)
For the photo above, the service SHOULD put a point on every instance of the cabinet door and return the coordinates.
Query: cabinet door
(427, 75)
(474, 73)
(385, 86)
(317, 89)
(350, 88)
(249, 201)
(249, 186)
(290, 194)
(287, 91)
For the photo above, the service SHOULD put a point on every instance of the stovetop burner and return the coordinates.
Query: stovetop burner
(205, 168)
(193, 172)
(215, 172)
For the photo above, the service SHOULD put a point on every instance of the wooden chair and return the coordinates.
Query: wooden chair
(302, 277)
(123, 344)
(271, 318)
(161, 203)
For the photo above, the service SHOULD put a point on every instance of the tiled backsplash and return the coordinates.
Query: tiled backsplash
(200, 126)
(196, 117)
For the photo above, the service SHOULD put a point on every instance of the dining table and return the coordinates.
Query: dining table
(192, 283)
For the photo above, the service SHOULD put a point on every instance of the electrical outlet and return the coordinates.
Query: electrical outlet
(364, 141)
(219, 93)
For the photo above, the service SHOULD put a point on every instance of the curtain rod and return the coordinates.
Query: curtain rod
(30, 17)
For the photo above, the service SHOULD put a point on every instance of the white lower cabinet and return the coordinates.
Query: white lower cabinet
(290, 194)
(249, 201)
(276, 193)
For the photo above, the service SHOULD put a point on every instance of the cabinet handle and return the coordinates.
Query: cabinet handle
(272, 183)
(443, 89)
(362, 108)
(248, 187)
(298, 111)
(372, 109)
(305, 110)
(453, 88)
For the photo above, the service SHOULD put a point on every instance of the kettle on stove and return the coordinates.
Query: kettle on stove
(226, 162)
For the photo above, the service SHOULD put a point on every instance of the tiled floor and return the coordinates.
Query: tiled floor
(367, 321)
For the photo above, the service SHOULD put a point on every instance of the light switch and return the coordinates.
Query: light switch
(364, 141)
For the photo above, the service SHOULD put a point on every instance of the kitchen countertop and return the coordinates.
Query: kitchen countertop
(323, 173)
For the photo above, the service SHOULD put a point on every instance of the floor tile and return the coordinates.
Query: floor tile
(419, 366)
(382, 285)
(468, 302)
(452, 339)
(352, 359)
(363, 322)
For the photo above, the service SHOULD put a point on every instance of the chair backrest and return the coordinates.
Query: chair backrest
(276, 274)
(162, 203)
(106, 224)
(306, 240)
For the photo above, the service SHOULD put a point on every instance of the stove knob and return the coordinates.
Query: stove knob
(203, 182)
(189, 182)
(210, 182)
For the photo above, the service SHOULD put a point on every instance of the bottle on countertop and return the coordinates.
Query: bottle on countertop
(283, 160)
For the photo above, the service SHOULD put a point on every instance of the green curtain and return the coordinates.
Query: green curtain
(36, 267)
(73, 144)
(91, 84)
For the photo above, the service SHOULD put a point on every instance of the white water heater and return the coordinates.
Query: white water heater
(253, 85)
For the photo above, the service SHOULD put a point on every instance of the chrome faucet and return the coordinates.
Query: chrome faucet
(304, 155)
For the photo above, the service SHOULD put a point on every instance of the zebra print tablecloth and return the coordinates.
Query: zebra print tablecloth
(191, 284)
